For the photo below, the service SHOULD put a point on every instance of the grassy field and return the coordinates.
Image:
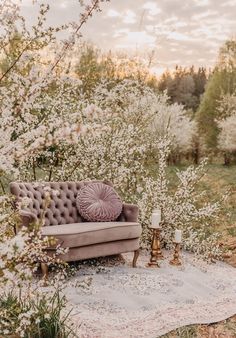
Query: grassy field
(218, 179)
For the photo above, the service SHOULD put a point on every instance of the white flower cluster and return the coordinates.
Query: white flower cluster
(122, 135)
(227, 125)
(20, 256)
(173, 120)
(38, 100)
(182, 207)
(42, 123)
(203, 245)
(40, 113)
(30, 312)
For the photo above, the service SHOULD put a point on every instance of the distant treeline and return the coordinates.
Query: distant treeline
(185, 85)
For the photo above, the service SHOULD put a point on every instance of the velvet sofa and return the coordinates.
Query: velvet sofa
(63, 221)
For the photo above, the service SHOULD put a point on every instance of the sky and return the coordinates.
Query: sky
(184, 32)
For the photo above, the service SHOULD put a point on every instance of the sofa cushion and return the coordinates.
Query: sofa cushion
(98, 202)
(82, 234)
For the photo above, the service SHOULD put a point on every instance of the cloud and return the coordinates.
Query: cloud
(121, 33)
(202, 3)
(64, 4)
(112, 13)
(136, 39)
(179, 36)
(206, 14)
(190, 32)
(129, 17)
(230, 3)
(152, 8)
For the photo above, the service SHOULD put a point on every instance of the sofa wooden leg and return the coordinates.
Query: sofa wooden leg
(136, 254)
(44, 268)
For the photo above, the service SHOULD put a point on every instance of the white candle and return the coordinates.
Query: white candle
(156, 219)
(178, 236)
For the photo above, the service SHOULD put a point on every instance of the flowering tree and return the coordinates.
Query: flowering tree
(43, 109)
(173, 120)
(36, 96)
(117, 150)
(37, 119)
(25, 309)
(227, 126)
(182, 208)
(123, 149)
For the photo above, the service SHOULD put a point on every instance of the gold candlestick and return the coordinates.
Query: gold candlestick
(155, 249)
(159, 254)
(176, 257)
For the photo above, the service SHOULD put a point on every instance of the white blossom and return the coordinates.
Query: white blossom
(227, 125)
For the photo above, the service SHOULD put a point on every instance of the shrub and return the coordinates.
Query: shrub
(38, 315)
(26, 308)
(183, 207)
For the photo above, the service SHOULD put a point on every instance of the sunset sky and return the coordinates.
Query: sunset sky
(182, 32)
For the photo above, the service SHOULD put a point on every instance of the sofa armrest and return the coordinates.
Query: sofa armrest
(27, 218)
(130, 212)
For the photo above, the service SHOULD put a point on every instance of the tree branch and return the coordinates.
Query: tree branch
(16, 60)
(64, 49)
(69, 43)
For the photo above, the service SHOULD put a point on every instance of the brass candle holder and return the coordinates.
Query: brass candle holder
(176, 257)
(156, 253)
(159, 254)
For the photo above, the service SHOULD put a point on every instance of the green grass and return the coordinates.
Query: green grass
(183, 332)
(46, 308)
(226, 328)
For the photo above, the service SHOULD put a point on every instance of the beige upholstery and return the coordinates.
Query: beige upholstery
(81, 234)
(100, 250)
(62, 220)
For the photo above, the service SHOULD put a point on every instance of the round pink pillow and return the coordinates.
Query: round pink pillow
(98, 202)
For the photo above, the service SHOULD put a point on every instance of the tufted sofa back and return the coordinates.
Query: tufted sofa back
(62, 208)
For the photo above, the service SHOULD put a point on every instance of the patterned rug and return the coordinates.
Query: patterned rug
(117, 301)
